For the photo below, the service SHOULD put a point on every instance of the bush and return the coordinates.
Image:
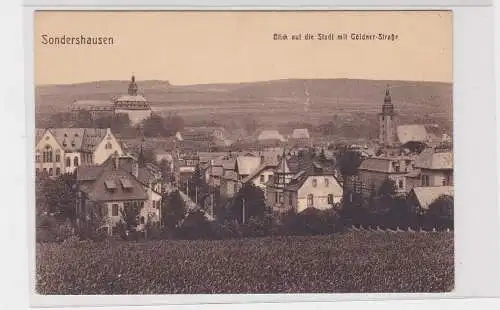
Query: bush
(153, 231)
(227, 230)
(312, 221)
(64, 231)
(195, 226)
(258, 227)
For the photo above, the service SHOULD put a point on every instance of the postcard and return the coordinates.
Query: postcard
(243, 152)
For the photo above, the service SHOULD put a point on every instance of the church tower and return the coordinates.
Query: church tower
(387, 121)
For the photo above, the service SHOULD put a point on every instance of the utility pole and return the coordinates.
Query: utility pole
(243, 211)
(196, 194)
(212, 204)
(187, 187)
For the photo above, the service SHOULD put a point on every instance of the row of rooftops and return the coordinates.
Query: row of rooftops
(430, 158)
(75, 139)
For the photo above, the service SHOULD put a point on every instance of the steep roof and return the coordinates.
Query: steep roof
(207, 156)
(411, 133)
(430, 159)
(100, 190)
(427, 195)
(230, 175)
(88, 173)
(302, 133)
(76, 139)
(246, 165)
(376, 164)
(92, 138)
(229, 164)
(299, 179)
(216, 171)
(97, 179)
(38, 134)
(130, 98)
(270, 135)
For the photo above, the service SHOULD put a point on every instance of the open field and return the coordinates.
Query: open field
(346, 262)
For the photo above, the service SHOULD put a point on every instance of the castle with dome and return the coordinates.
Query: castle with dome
(133, 104)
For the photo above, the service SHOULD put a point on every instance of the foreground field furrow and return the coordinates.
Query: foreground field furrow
(349, 262)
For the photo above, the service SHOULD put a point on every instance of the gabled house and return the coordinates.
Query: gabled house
(119, 183)
(289, 168)
(374, 171)
(262, 174)
(420, 198)
(436, 167)
(312, 190)
(62, 150)
(300, 138)
(246, 165)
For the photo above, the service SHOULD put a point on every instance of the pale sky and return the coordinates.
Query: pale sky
(212, 47)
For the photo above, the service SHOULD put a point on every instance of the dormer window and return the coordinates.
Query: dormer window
(110, 184)
(314, 183)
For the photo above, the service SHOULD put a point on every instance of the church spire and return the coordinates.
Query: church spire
(132, 87)
(388, 107)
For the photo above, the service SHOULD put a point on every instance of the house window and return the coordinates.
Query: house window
(400, 183)
(281, 197)
(114, 209)
(68, 162)
(58, 158)
(445, 182)
(327, 182)
(314, 182)
(37, 172)
(108, 146)
(142, 219)
(58, 171)
(75, 161)
(276, 198)
(262, 178)
(44, 171)
(310, 200)
(37, 158)
(330, 199)
(235, 187)
(47, 154)
(290, 199)
(425, 180)
(51, 172)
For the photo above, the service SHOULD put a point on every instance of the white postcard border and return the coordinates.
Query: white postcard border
(476, 232)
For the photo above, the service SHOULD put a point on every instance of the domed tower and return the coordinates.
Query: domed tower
(132, 87)
(387, 121)
(133, 104)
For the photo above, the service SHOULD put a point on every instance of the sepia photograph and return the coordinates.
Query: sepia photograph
(243, 152)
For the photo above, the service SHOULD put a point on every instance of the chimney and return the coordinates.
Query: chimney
(135, 168)
(116, 160)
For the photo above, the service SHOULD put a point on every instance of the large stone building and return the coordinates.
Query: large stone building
(62, 150)
(133, 104)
